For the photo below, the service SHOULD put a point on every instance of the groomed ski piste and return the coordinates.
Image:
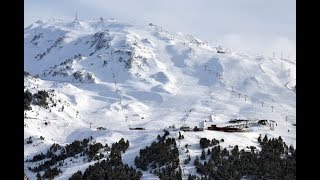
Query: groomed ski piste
(118, 75)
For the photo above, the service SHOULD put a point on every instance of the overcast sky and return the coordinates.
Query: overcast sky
(260, 26)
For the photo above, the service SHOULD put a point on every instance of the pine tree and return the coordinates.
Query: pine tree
(196, 161)
(203, 155)
(224, 152)
(38, 175)
(209, 152)
(235, 151)
(27, 100)
(291, 149)
(259, 139)
(265, 139)
(204, 142)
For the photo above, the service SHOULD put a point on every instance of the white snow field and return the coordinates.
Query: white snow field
(116, 75)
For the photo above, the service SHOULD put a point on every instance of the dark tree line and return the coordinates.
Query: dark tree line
(204, 142)
(274, 161)
(107, 170)
(51, 173)
(162, 158)
(27, 100)
(39, 98)
(110, 168)
(121, 146)
(56, 155)
(116, 150)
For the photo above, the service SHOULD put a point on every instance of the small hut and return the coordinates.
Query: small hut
(137, 128)
(198, 128)
(185, 128)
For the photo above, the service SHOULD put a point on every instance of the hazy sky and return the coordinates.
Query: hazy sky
(262, 26)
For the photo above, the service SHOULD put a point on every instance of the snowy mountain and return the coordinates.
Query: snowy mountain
(116, 75)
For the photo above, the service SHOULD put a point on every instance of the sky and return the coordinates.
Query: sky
(251, 26)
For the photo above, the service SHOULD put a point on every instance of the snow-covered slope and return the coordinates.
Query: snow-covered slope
(105, 73)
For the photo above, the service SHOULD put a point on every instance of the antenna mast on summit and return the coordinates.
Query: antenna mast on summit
(76, 16)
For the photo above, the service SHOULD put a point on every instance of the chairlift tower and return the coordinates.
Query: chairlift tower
(272, 122)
